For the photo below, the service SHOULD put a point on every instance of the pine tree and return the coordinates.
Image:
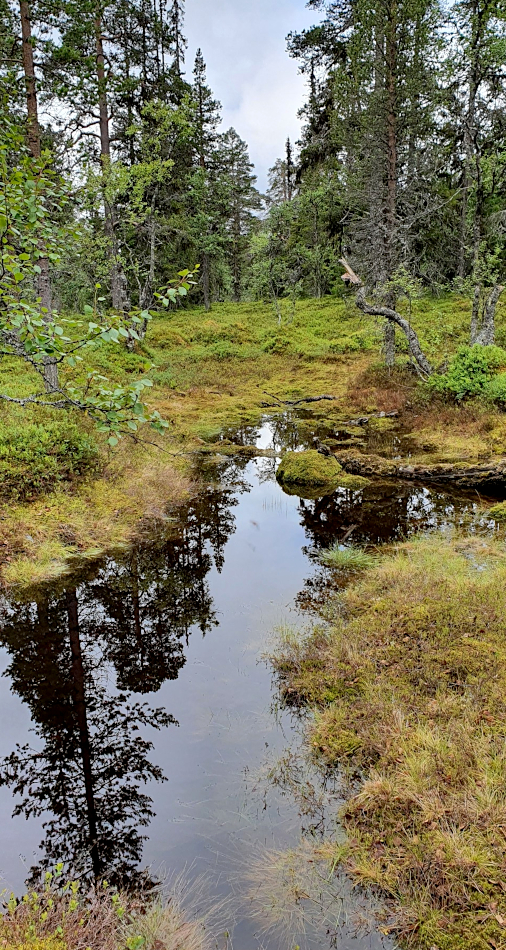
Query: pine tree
(207, 120)
(242, 200)
(179, 44)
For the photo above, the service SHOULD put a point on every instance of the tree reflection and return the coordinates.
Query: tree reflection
(78, 654)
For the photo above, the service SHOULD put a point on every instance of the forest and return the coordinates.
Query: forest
(316, 371)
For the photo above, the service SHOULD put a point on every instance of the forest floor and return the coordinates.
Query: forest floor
(212, 371)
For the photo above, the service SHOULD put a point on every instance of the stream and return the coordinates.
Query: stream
(137, 702)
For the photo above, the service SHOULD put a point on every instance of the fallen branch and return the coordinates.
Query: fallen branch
(294, 402)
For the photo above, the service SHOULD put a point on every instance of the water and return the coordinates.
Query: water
(135, 702)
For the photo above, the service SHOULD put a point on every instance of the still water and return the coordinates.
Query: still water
(137, 709)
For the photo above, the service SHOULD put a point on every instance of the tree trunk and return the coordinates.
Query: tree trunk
(206, 280)
(486, 336)
(79, 698)
(392, 156)
(118, 280)
(389, 345)
(44, 292)
(475, 318)
(422, 364)
(469, 132)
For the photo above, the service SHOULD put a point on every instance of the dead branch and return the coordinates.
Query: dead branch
(422, 364)
(294, 402)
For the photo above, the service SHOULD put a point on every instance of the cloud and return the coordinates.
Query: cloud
(249, 70)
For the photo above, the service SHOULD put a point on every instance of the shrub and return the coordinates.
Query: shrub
(60, 915)
(277, 343)
(35, 457)
(498, 512)
(356, 343)
(495, 390)
(470, 372)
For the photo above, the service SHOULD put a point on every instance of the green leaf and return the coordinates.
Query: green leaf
(113, 440)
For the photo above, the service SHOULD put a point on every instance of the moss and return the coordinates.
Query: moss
(498, 512)
(309, 469)
(353, 482)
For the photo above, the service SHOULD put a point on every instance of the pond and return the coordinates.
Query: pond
(138, 709)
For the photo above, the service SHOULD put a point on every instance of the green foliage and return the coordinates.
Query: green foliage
(35, 457)
(471, 373)
(495, 389)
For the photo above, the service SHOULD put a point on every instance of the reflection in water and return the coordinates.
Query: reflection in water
(129, 623)
(82, 652)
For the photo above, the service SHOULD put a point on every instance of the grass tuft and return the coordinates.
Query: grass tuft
(350, 558)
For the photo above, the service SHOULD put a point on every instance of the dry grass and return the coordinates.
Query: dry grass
(410, 689)
(40, 539)
(56, 917)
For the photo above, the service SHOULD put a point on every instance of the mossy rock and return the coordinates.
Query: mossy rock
(498, 512)
(353, 482)
(309, 470)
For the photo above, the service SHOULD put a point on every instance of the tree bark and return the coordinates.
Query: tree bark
(486, 336)
(392, 156)
(79, 697)
(44, 290)
(389, 344)
(475, 318)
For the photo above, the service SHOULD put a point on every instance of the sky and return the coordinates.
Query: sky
(249, 70)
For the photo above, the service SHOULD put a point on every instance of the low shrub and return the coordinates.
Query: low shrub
(36, 457)
(358, 343)
(495, 389)
(59, 915)
(471, 372)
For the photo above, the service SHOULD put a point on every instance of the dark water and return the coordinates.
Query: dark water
(135, 703)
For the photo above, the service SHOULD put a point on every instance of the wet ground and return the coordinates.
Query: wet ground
(138, 711)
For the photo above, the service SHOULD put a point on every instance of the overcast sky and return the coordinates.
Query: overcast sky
(249, 70)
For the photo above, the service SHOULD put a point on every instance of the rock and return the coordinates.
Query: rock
(311, 475)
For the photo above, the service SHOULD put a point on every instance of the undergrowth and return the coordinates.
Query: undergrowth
(61, 915)
(409, 690)
(35, 458)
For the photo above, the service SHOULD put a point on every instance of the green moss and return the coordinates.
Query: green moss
(498, 512)
(353, 482)
(308, 470)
